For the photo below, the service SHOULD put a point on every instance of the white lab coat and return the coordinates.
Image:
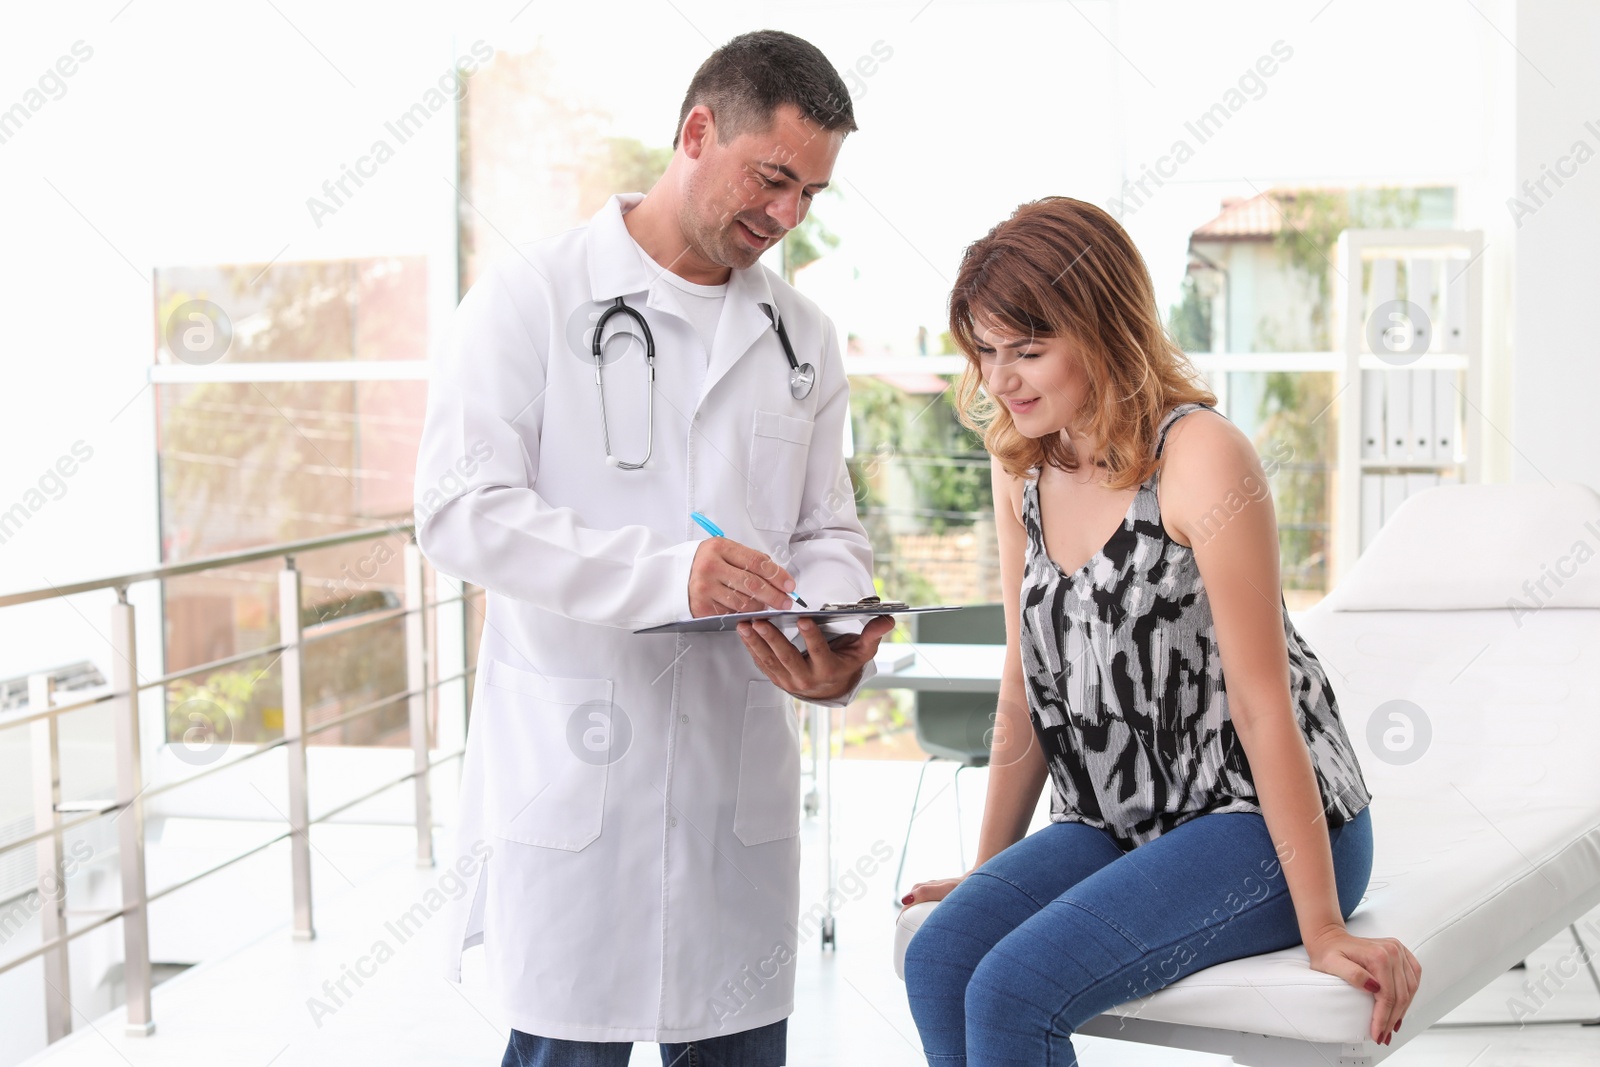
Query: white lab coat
(655, 896)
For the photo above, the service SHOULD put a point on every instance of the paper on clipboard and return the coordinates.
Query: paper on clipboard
(781, 617)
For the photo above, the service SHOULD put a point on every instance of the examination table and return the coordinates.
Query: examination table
(1464, 649)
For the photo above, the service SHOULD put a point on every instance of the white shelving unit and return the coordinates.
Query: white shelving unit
(1410, 330)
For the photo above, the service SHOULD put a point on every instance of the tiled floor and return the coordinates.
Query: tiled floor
(251, 1008)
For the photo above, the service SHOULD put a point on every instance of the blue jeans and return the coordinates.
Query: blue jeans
(1062, 925)
(765, 1046)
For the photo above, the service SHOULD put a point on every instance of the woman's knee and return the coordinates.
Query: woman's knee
(931, 951)
(1003, 996)
(921, 950)
(992, 989)
(960, 929)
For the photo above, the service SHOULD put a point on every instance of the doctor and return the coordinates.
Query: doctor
(637, 796)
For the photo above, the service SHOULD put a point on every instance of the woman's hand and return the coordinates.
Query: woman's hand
(1380, 965)
(937, 890)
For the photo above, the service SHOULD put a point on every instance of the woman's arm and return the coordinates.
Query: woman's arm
(1214, 490)
(1017, 768)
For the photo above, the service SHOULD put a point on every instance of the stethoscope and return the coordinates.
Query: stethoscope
(801, 375)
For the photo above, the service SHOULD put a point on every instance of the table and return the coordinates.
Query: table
(938, 668)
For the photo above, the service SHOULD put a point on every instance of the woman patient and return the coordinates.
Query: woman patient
(1205, 800)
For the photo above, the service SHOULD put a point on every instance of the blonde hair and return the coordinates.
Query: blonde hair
(1060, 267)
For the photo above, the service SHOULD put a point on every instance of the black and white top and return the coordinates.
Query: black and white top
(1125, 685)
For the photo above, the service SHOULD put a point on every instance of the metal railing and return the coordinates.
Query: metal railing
(127, 810)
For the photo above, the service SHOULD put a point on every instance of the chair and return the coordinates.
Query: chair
(1464, 650)
(953, 726)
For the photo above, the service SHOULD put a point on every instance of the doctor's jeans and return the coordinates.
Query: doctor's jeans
(1063, 925)
(765, 1046)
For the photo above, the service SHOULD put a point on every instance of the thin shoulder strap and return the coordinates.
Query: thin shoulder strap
(1173, 416)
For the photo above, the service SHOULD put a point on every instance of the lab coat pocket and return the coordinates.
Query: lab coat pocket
(548, 747)
(780, 448)
(768, 804)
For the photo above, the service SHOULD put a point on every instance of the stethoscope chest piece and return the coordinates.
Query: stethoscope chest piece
(802, 376)
(801, 379)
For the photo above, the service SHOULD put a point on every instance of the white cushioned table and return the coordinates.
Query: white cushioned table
(1486, 816)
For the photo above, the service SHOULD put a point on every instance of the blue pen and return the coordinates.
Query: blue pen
(711, 528)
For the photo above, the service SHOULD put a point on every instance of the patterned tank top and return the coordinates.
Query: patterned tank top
(1125, 686)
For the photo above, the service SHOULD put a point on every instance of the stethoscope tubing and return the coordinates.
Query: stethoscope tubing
(621, 307)
(801, 375)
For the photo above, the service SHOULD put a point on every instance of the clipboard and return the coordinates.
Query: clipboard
(781, 617)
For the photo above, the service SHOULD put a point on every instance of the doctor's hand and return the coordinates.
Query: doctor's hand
(727, 577)
(827, 670)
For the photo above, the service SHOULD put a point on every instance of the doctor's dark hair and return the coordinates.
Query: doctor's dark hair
(746, 80)
(1060, 267)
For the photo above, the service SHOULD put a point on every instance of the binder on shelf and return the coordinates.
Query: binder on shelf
(1394, 493)
(1397, 413)
(1419, 290)
(1381, 290)
(1374, 445)
(1385, 279)
(1455, 305)
(1422, 431)
(1371, 507)
(1445, 416)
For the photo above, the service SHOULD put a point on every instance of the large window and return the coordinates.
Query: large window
(256, 462)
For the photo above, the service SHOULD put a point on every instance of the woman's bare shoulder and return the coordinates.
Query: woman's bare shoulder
(1006, 486)
(1207, 463)
(1207, 441)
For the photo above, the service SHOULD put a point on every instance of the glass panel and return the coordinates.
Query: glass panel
(209, 616)
(923, 494)
(922, 491)
(351, 663)
(358, 309)
(1289, 417)
(248, 464)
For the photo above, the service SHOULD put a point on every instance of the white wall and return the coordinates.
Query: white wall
(193, 134)
(1554, 432)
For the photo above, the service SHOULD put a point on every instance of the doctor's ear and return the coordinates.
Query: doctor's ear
(699, 130)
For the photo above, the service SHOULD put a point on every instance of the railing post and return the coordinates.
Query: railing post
(294, 735)
(822, 740)
(48, 858)
(130, 818)
(447, 658)
(417, 683)
(469, 682)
